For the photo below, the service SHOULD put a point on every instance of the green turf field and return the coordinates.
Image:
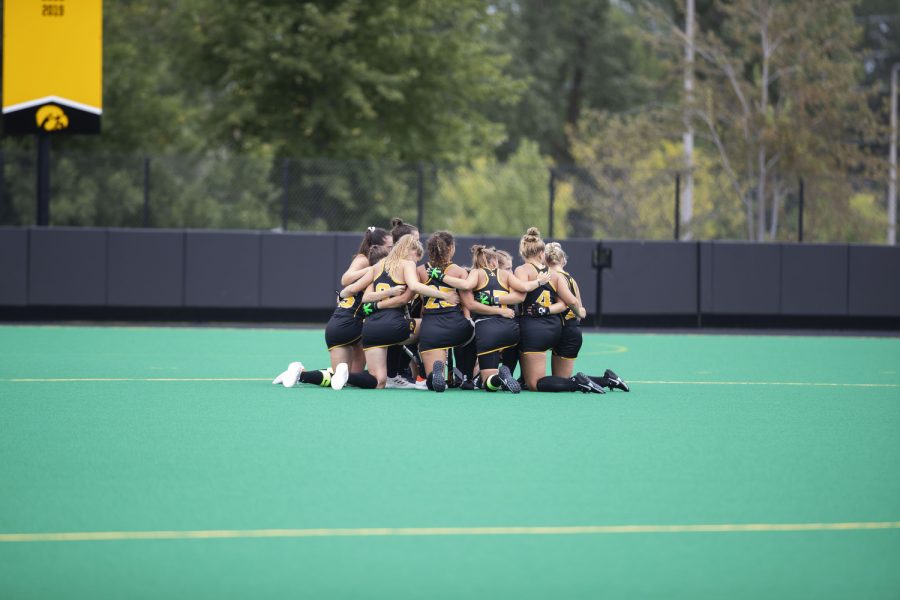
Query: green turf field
(160, 462)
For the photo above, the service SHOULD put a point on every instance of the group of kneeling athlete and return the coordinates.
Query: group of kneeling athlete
(395, 318)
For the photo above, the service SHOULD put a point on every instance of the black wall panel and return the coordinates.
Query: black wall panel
(874, 279)
(146, 268)
(813, 279)
(296, 270)
(746, 278)
(13, 267)
(222, 269)
(651, 278)
(67, 267)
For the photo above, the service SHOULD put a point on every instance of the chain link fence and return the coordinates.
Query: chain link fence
(595, 201)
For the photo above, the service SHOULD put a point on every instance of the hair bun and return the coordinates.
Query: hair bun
(396, 221)
(477, 248)
(533, 231)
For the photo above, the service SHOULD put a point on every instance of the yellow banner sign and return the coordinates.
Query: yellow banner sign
(52, 66)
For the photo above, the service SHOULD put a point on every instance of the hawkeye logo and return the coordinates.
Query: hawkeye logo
(51, 118)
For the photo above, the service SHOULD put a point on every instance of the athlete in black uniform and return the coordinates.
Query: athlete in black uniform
(540, 330)
(387, 322)
(344, 328)
(566, 350)
(496, 328)
(444, 323)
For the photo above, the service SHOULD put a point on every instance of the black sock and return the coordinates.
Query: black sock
(394, 353)
(362, 380)
(313, 377)
(429, 381)
(465, 358)
(510, 358)
(556, 384)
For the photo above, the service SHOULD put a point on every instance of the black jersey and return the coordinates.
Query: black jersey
(493, 287)
(350, 305)
(436, 306)
(573, 287)
(543, 295)
(384, 281)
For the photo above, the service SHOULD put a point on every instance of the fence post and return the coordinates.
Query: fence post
(285, 185)
(552, 186)
(43, 179)
(677, 206)
(800, 214)
(146, 219)
(420, 196)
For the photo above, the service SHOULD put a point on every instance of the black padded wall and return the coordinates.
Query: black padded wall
(295, 270)
(813, 279)
(874, 281)
(67, 267)
(650, 278)
(13, 267)
(222, 269)
(745, 278)
(146, 268)
(97, 268)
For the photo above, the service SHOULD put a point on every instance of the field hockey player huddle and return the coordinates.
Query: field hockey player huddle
(400, 324)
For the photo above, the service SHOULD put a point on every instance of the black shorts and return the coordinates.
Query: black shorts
(539, 334)
(570, 340)
(444, 330)
(386, 328)
(494, 334)
(343, 329)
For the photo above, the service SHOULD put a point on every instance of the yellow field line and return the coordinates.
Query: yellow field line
(630, 381)
(107, 536)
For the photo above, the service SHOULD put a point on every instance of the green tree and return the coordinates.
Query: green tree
(499, 198)
(576, 55)
(778, 96)
(345, 79)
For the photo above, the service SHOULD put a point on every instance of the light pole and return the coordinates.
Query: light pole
(892, 185)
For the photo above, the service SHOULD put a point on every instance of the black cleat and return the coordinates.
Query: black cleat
(438, 382)
(613, 382)
(507, 381)
(586, 385)
(467, 385)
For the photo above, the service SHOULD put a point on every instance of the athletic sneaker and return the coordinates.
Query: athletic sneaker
(290, 377)
(586, 385)
(341, 374)
(507, 381)
(613, 382)
(400, 382)
(421, 384)
(438, 381)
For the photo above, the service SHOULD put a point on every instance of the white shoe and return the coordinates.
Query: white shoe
(421, 384)
(279, 379)
(339, 379)
(399, 382)
(290, 377)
